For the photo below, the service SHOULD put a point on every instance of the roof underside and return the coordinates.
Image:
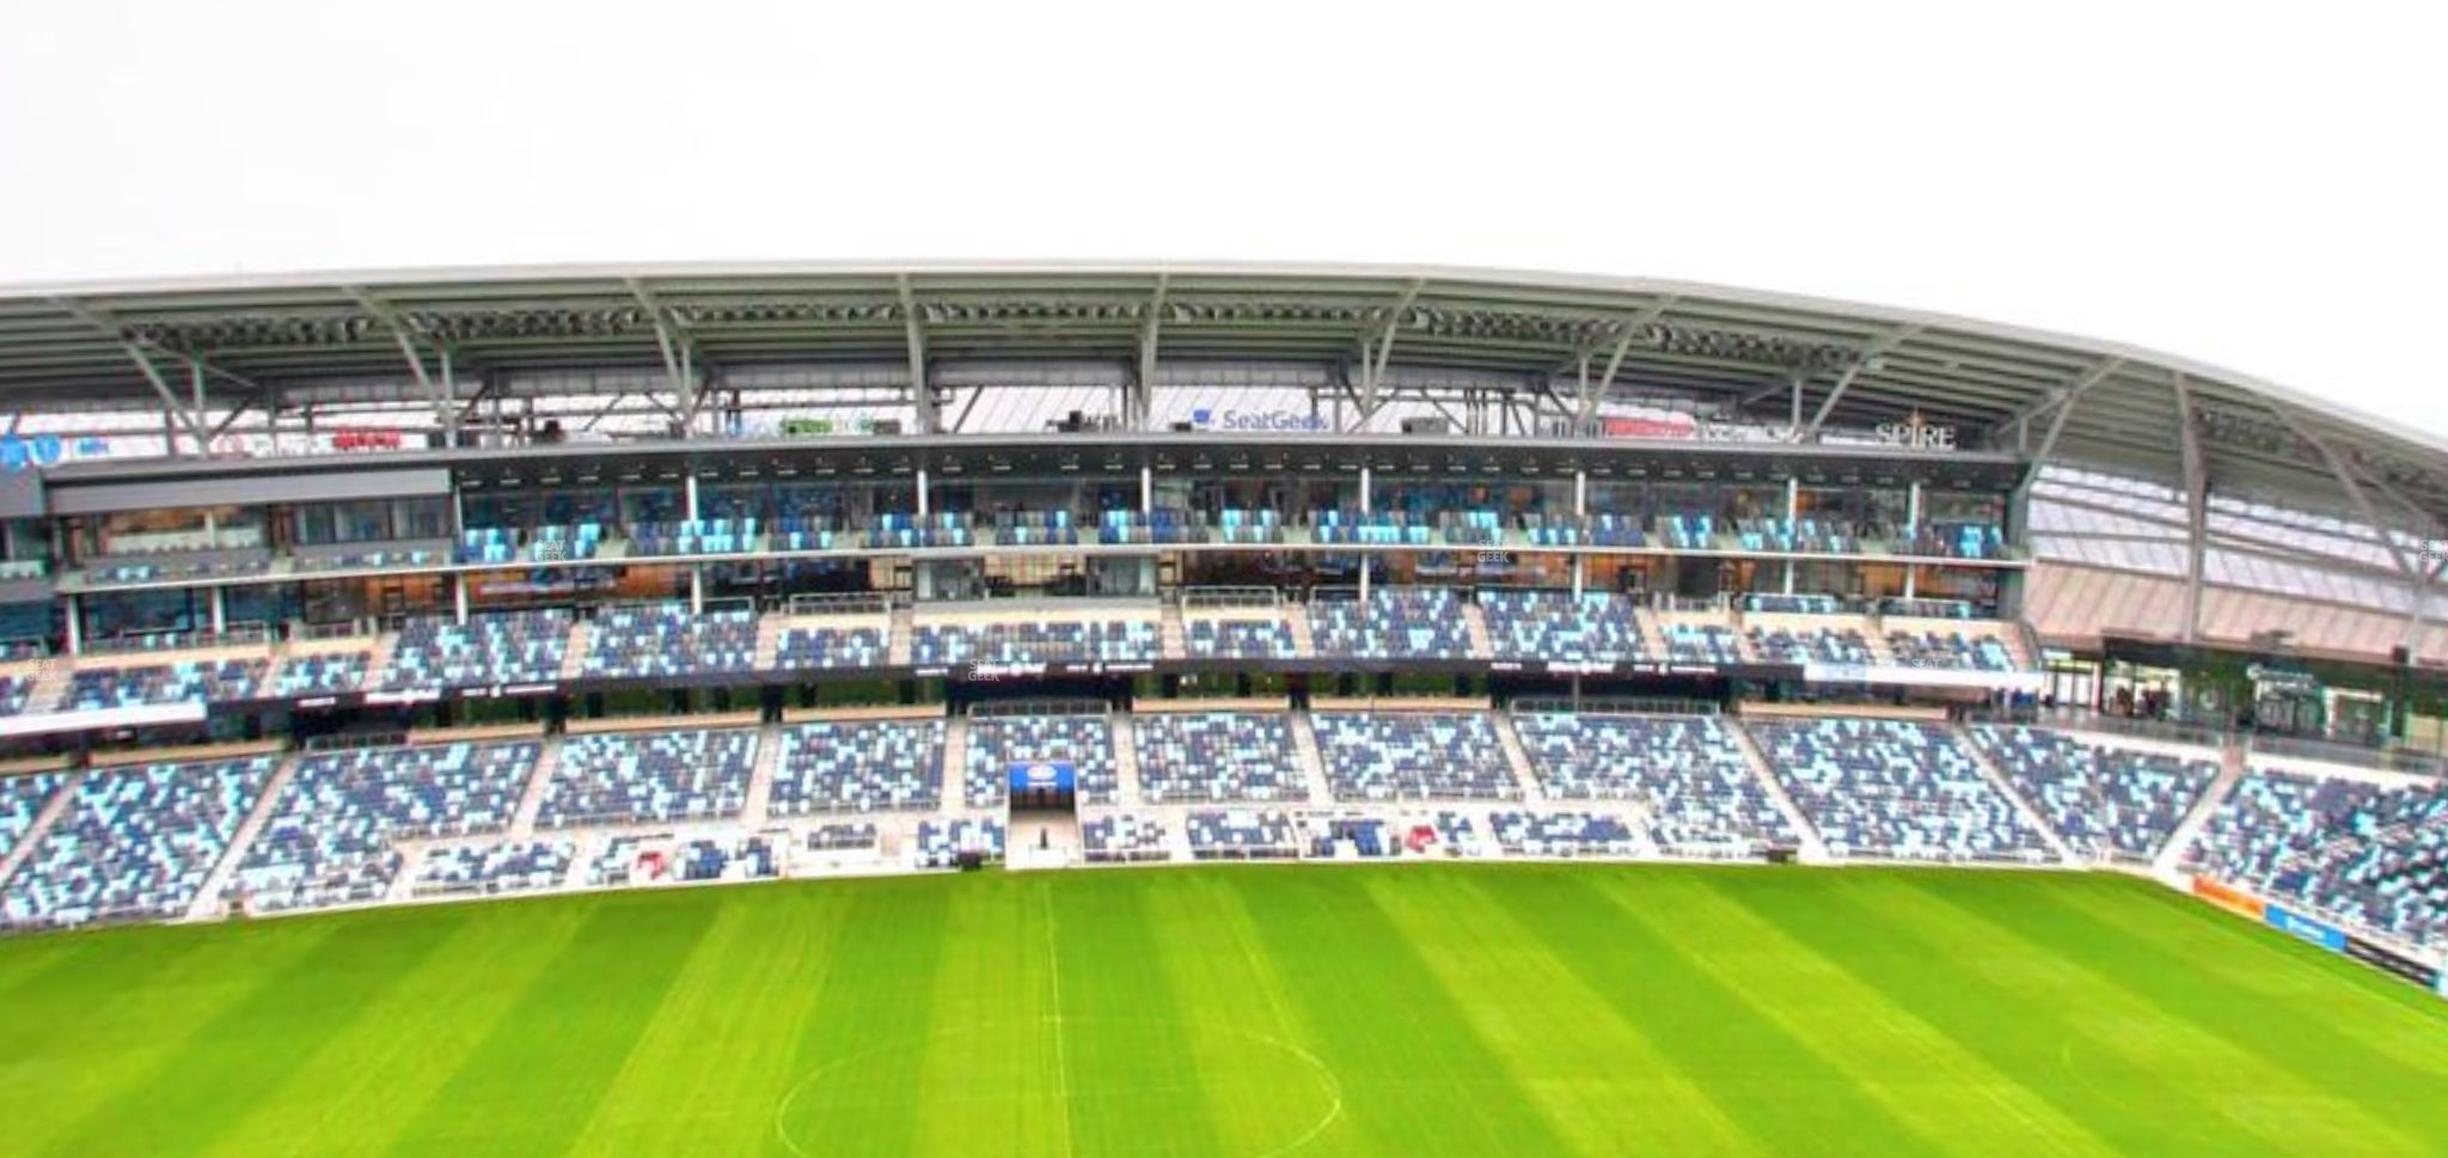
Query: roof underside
(1731, 352)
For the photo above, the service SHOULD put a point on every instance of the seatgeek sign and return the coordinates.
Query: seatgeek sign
(1258, 421)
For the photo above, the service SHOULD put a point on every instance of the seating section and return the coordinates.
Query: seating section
(494, 866)
(1403, 623)
(1388, 756)
(1804, 645)
(1242, 834)
(135, 844)
(1689, 772)
(1597, 627)
(2366, 854)
(1571, 834)
(1164, 527)
(1369, 528)
(386, 559)
(328, 840)
(841, 837)
(1958, 540)
(1688, 532)
(1821, 536)
(1246, 526)
(1216, 757)
(21, 803)
(1456, 829)
(662, 641)
(1210, 638)
(96, 688)
(941, 529)
(808, 646)
(649, 778)
(1698, 643)
(1895, 789)
(643, 860)
(940, 845)
(2103, 800)
(174, 571)
(1042, 641)
(866, 766)
(1951, 650)
(519, 647)
(1123, 838)
(693, 537)
(14, 690)
(1599, 530)
(998, 742)
(321, 674)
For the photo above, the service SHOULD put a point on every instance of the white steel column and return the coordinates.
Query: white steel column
(922, 492)
(76, 625)
(218, 606)
(1912, 527)
(1367, 489)
(1581, 492)
(1147, 491)
(1793, 512)
(688, 494)
(459, 596)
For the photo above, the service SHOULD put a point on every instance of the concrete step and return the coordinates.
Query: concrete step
(2171, 856)
(1517, 758)
(210, 903)
(899, 637)
(1174, 643)
(1296, 617)
(761, 776)
(2031, 814)
(573, 660)
(548, 761)
(768, 641)
(955, 759)
(1312, 763)
(1475, 630)
(48, 815)
(1814, 846)
(1126, 761)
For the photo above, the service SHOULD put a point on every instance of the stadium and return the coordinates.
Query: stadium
(1198, 709)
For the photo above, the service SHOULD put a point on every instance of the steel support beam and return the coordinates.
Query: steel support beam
(922, 395)
(141, 355)
(2197, 507)
(2021, 419)
(1373, 363)
(1142, 398)
(1871, 351)
(446, 409)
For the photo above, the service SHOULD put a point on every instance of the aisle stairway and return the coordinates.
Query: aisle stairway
(209, 903)
(754, 807)
(2231, 769)
(1312, 765)
(1998, 780)
(548, 761)
(1814, 847)
(1517, 757)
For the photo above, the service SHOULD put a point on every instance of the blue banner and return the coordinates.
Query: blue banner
(2297, 925)
(1041, 775)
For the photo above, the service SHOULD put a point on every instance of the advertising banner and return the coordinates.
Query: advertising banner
(1043, 774)
(2234, 900)
(2296, 924)
(2382, 957)
(1928, 677)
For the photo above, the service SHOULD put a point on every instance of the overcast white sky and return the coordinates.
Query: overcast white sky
(2258, 189)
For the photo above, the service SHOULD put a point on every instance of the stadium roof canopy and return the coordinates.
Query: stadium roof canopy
(194, 348)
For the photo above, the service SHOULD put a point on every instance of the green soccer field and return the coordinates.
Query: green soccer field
(1235, 1011)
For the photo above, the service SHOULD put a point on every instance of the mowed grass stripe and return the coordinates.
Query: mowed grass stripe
(2143, 1080)
(107, 1018)
(536, 1079)
(2400, 1100)
(187, 1097)
(1942, 1086)
(1136, 1075)
(708, 1071)
(856, 1084)
(363, 1083)
(1596, 1077)
(1416, 1076)
(1209, 945)
(1787, 1097)
(2388, 1014)
(992, 1073)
